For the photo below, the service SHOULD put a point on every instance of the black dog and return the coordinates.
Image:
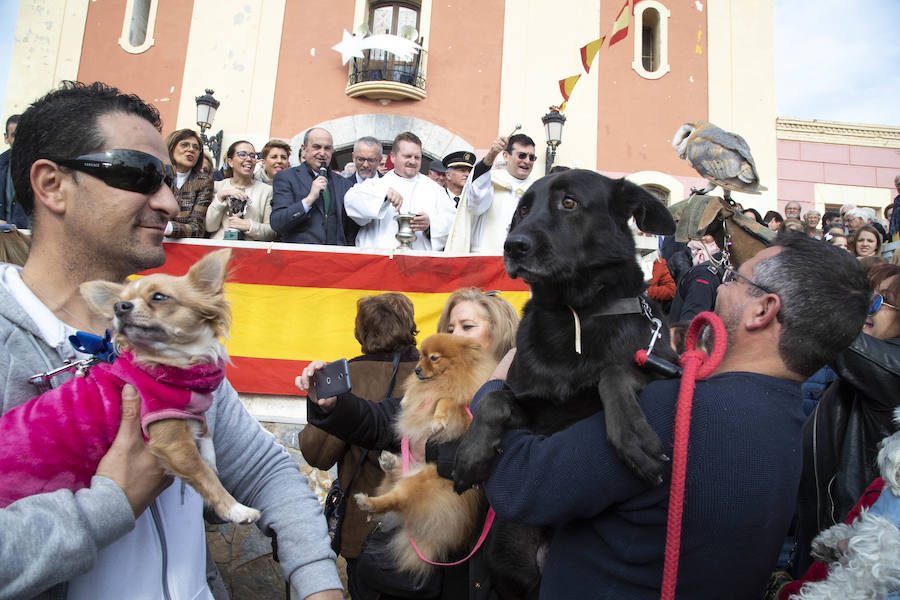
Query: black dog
(570, 241)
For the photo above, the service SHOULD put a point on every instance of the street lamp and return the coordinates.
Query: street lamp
(553, 124)
(206, 112)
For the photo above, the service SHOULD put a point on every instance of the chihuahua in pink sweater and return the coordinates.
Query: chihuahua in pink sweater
(167, 331)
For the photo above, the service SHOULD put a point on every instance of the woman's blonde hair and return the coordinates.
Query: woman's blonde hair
(501, 315)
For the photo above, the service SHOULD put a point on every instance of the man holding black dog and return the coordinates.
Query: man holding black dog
(744, 457)
(130, 534)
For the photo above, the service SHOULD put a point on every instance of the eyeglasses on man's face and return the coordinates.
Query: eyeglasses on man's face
(525, 155)
(130, 170)
(731, 275)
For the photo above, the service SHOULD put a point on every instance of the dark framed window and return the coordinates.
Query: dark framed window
(394, 18)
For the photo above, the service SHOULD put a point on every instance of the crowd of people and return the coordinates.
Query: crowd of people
(799, 311)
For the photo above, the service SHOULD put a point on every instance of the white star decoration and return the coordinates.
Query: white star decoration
(352, 46)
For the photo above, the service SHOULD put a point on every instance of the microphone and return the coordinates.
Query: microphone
(323, 172)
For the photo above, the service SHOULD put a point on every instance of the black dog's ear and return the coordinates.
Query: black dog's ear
(649, 213)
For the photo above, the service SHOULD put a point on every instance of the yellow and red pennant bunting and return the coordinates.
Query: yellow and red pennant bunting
(292, 304)
(589, 53)
(620, 27)
(567, 85)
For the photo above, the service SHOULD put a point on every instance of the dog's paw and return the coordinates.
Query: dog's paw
(388, 461)
(363, 502)
(242, 515)
(471, 467)
(438, 424)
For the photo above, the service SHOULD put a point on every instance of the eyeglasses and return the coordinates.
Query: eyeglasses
(877, 303)
(366, 160)
(524, 155)
(242, 155)
(731, 275)
(130, 170)
(186, 145)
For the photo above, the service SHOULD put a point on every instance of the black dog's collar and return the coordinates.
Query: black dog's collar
(622, 306)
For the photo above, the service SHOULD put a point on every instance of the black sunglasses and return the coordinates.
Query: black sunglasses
(524, 155)
(130, 170)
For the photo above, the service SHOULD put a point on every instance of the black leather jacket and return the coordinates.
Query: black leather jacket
(841, 437)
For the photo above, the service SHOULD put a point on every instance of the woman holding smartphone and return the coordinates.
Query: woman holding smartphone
(483, 316)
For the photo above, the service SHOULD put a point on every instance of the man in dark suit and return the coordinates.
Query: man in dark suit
(10, 211)
(307, 206)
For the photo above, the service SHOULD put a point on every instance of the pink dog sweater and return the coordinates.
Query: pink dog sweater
(56, 440)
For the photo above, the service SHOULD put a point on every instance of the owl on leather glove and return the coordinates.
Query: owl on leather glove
(721, 157)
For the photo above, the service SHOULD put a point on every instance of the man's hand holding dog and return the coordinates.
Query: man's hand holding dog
(302, 383)
(129, 462)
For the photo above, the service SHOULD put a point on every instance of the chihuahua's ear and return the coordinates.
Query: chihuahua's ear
(209, 272)
(101, 296)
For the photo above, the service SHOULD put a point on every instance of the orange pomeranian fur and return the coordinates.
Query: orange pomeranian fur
(441, 522)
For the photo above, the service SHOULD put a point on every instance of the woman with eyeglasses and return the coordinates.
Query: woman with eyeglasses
(483, 316)
(242, 203)
(855, 413)
(193, 190)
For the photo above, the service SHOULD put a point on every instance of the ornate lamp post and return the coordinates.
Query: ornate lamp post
(553, 125)
(206, 112)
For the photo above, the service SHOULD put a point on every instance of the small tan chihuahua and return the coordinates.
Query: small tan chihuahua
(167, 331)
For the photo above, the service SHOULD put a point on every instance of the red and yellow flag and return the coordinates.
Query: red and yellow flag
(292, 304)
(620, 27)
(567, 85)
(589, 53)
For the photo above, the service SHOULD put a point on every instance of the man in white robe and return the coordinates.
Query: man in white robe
(491, 195)
(374, 203)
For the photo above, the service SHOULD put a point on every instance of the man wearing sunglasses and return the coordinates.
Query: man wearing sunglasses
(491, 196)
(743, 461)
(97, 189)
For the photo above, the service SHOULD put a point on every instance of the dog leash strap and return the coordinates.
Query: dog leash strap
(488, 521)
(696, 366)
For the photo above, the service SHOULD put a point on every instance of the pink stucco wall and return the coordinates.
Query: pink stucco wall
(803, 164)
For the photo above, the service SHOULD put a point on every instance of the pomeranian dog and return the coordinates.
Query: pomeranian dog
(420, 504)
(167, 331)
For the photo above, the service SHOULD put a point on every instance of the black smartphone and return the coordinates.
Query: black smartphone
(332, 380)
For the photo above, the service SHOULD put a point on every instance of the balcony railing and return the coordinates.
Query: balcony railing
(387, 79)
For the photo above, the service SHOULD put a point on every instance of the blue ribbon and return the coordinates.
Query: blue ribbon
(88, 343)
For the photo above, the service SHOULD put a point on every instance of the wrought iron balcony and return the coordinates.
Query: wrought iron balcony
(385, 78)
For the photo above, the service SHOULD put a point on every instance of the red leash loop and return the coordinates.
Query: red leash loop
(696, 366)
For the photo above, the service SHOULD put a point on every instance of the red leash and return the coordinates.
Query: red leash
(696, 365)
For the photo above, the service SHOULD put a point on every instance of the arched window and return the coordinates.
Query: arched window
(651, 39)
(661, 192)
(393, 18)
(138, 25)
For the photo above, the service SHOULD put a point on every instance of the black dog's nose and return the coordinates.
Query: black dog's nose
(121, 308)
(418, 370)
(517, 245)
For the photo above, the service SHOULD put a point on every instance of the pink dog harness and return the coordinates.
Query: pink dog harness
(56, 440)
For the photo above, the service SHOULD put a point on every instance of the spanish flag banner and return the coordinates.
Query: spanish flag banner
(589, 53)
(293, 303)
(567, 85)
(620, 27)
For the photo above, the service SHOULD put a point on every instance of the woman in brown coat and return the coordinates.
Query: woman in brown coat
(385, 329)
